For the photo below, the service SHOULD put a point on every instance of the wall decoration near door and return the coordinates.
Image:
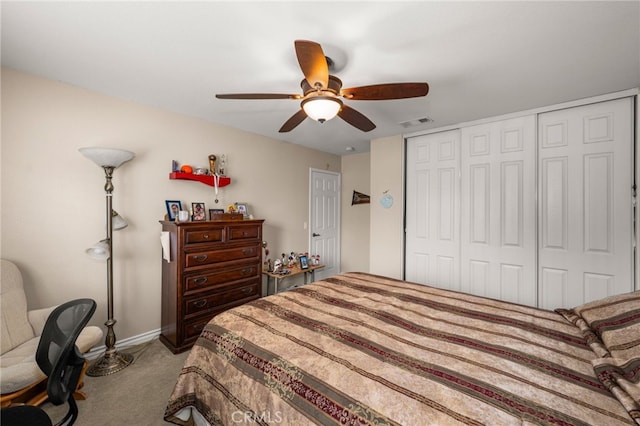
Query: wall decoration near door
(360, 198)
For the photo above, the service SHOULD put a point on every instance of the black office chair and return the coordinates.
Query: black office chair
(59, 358)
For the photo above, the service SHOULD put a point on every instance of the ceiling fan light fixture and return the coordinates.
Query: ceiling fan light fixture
(321, 108)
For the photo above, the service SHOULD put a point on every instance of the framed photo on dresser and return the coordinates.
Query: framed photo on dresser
(199, 212)
(173, 207)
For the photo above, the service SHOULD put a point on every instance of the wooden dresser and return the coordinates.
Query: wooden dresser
(215, 265)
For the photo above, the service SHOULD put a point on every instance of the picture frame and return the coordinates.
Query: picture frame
(242, 208)
(304, 262)
(213, 212)
(173, 207)
(199, 212)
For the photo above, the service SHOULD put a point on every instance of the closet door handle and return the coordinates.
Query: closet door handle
(315, 235)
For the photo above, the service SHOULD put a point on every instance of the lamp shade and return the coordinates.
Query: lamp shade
(321, 108)
(99, 251)
(107, 157)
(118, 221)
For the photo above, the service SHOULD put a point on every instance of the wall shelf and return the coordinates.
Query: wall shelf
(206, 179)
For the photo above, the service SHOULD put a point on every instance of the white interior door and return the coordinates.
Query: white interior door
(498, 210)
(324, 211)
(585, 208)
(432, 251)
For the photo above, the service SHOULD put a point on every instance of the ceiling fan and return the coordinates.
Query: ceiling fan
(322, 92)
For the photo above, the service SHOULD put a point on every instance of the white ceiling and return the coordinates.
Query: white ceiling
(480, 58)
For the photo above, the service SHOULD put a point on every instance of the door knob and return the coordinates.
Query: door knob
(315, 235)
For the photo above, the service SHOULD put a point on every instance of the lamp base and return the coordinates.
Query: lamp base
(109, 363)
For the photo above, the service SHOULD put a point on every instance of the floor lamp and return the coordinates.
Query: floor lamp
(109, 159)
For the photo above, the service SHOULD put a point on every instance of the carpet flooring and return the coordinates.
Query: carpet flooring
(136, 395)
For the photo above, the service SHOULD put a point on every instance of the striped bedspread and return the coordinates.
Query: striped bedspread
(360, 349)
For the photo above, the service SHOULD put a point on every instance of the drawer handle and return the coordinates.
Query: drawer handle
(205, 236)
(198, 327)
(248, 251)
(200, 303)
(245, 233)
(200, 258)
(246, 290)
(200, 280)
(246, 271)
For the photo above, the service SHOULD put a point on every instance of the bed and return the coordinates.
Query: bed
(359, 349)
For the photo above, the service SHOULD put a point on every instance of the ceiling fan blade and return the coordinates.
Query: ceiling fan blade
(380, 92)
(313, 63)
(356, 119)
(258, 96)
(291, 123)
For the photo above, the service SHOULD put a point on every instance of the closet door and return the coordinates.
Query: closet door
(498, 216)
(432, 210)
(585, 207)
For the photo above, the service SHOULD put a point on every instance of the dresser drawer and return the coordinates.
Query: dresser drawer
(209, 257)
(218, 277)
(192, 327)
(209, 235)
(239, 233)
(215, 300)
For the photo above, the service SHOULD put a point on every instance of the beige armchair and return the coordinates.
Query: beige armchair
(21, 380)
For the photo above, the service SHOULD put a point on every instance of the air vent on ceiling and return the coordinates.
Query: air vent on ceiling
(416, 122)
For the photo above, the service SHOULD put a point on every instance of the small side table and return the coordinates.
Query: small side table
(311, 270)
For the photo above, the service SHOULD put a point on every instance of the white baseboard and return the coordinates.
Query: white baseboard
(125, 343)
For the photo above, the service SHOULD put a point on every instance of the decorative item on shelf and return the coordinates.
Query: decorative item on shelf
(109, 159)
(186, 169)
(173, 207)
(212, 164)
(231, 208)
(199, 212)
(222, 168)
(304, 263)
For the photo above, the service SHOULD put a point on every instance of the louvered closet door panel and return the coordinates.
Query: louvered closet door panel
(432, 210)
(498, 213)
(585, 209)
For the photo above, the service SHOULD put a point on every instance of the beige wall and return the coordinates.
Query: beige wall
(355, 219)
(386, 226)
(53, 202)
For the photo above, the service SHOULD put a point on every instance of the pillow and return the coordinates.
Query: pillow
(616, 320)
(611, 326)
